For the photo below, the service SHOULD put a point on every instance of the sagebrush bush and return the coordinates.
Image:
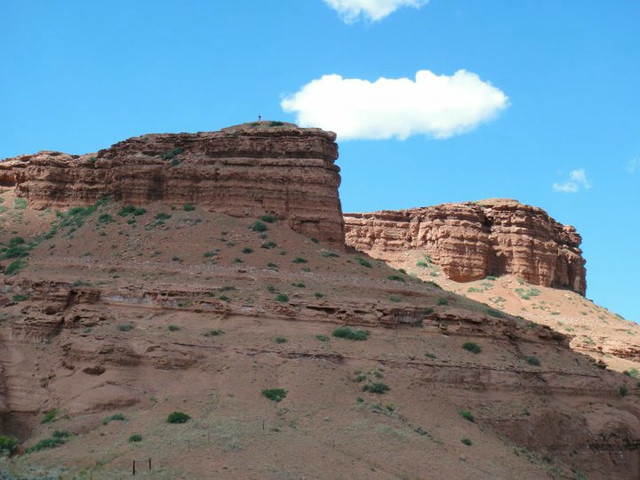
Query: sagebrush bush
(376, 387)
(472, 347)
(115, 417)
(8, 445)
(350, 333)
(363, 262)
(178, 417)
(275, 394)
(467, 415)
(258, 226)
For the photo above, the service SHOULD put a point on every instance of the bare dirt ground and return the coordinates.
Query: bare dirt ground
(114, 320)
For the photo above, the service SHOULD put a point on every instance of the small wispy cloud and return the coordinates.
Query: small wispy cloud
(351, 11)
(438, 106)
(577, 181)
(633, 165)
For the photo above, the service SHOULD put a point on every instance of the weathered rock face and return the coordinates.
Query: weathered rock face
(472, 240)
(247, 170)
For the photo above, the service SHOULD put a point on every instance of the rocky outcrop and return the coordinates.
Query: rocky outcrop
(472, 240)
(247, 170)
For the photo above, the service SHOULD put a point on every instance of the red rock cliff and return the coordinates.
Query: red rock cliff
(246, 170)
(472, 240)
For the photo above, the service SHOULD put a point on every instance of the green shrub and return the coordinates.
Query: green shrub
(275, 394)
(173, 328)
(526, 294)
(188, 207)
(466, 441)
(377, 387)
(322, 338)
(472, 347)
(163, 216)
(272, 265)
(433, 284)
(361, 377)
(8, 445)
(171, 154)
(130, 210)
(280, 339)
(430, 355)
(136, 437)
(396, 278)
(258, 226)
(14, 267)
(268, 245)
(491, 277)
(105, 218)
(20, 203)
(532, 361)
(623, 391)
(300, 285)
(118, 417)
(395, 298)
(299, 260)
(16, 241)
(319, 295)
(467, 415)
(214, 333)
(268, 218)
(125, 327)
(57, 438)
(282, 297)
(427, 311)
(276, 124)
(247, 250)
(351, 334)
(178, 417)
(422, 264)
(363, 262)
(16, 251)
(442, 301)
(49, 416)
(20, 298)
(329, 254)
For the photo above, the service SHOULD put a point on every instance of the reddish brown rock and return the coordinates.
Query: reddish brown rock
(472, 240)
(246, 170)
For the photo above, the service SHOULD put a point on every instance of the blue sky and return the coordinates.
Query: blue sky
(550, 89)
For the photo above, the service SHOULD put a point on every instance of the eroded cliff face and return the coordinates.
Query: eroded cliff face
(472, 240)
(246, 170)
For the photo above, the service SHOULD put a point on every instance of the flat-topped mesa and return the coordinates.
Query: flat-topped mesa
(245, 170)
(470, 241)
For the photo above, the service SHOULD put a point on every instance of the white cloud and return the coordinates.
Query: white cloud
(374, 10)
(577, 181)
(438, 106)
(633, 166)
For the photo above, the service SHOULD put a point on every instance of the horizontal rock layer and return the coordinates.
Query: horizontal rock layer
(247, 170)
(472, 240)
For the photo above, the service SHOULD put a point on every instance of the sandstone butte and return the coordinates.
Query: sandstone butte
(116, 312)
(247, 170)
(473, 240)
